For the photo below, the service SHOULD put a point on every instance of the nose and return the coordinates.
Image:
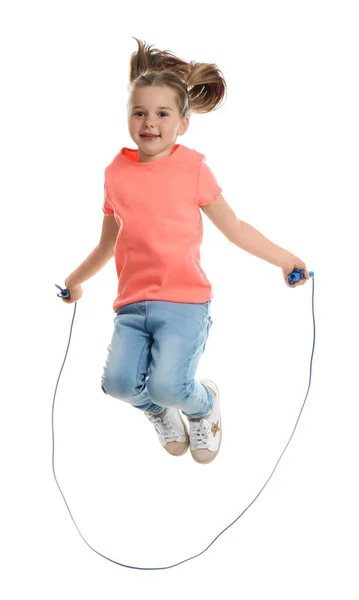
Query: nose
(149, 121)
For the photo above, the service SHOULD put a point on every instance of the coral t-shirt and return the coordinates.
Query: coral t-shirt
(156, 205)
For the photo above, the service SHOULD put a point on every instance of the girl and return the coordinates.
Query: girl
(152, 224)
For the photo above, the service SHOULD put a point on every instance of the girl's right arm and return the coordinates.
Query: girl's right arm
(98, 258)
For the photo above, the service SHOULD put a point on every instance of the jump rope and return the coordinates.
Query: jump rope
(293, 277)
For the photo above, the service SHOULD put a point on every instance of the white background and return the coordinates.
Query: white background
(284, 148)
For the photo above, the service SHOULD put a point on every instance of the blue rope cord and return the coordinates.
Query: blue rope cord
(64, 294)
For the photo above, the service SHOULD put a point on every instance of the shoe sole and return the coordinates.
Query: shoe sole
(187, 439)
(211, 459)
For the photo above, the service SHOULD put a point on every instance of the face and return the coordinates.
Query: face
(153, 110)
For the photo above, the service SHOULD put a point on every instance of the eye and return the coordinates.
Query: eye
(141, 112)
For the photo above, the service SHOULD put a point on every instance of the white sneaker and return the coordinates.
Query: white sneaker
(205, 433)
(171, 430)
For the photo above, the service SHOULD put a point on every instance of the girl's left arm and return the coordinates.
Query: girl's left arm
(248, 238)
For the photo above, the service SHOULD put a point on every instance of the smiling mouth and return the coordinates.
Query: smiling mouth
(149, 136)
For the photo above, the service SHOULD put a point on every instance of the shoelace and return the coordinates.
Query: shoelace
(166, 430)
(200, 433)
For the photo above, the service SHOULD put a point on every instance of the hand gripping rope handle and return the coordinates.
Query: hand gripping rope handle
(294, 276)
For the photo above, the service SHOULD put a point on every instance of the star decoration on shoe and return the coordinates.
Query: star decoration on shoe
(215, 429)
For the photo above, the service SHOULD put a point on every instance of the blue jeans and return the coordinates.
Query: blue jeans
(153, 356)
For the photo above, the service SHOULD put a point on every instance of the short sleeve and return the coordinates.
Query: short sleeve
(107, 207)
(208, 188)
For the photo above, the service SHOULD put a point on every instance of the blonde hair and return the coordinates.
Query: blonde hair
(199, 87)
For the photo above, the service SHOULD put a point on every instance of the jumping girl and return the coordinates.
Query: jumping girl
(152, 225)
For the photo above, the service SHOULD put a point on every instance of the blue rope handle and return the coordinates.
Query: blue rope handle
(296, 275)
(64, 293)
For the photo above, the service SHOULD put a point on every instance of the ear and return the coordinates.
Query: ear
(184, 126)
